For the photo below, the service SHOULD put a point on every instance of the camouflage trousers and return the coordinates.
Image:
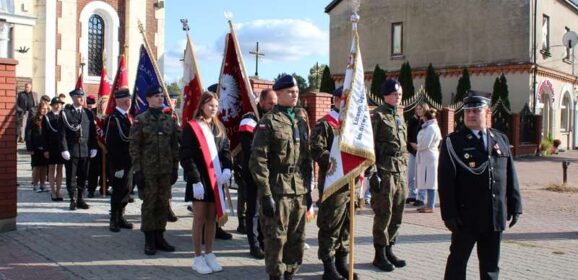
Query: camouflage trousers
(156, 195)
(333, 223)
(241, 197)
(388, 204)
(284, 235)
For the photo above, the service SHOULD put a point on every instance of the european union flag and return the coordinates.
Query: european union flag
(145, 78)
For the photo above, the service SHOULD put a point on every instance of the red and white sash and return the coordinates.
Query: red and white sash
(211, 158)
(247, 125)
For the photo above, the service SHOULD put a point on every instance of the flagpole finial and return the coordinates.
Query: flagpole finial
(228, 15)
(185, 23)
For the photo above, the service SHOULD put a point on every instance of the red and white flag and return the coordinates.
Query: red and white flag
(235, 93)
(120, 81)
(352, 150)
(193, 87)
(103, 90)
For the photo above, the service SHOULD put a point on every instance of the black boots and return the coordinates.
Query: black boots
(342, 267)
(171, 217)
(257, 252)
(161, 243)
(80, 201)
(274, 277)
(72, 205)
(329, 270)
(392, 258)
(241, 228)
(380, 261)
(113, 224)
(222, 234)
(288, 276)
(150, 248)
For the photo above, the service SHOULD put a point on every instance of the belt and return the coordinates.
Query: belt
(289, 169)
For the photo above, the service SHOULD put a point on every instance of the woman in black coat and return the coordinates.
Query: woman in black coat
(200, 186)
(52, 143)
(36, 147)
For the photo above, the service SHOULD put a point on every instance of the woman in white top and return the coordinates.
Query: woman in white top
(428, 141)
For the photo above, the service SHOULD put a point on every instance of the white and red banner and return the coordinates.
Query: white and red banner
(352, 150)
(235, 93)
(103, 90)
(213, 164)
(193, 87)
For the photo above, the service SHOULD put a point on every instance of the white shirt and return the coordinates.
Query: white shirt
(123, 112)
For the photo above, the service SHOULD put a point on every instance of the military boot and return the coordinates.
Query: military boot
(288, 275)
(150, 248)
(122, 222)
(72, 200)
(161, 243)
(329, 271)
(380, 261)
(113, 225)
(171, 215)
(274, 277)
(241, 228)
(222, 234)
(257, 252)
(341, 265)
(392, 258)
(80, 201)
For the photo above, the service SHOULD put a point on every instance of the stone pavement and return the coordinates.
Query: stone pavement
(54, 243)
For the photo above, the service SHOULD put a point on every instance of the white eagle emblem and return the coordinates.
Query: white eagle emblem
(229, 99)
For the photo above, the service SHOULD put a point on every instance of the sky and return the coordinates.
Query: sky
(293, 35)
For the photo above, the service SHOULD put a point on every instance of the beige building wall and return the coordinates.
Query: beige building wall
(24, 37)
(68, 51)
(136, 11)
(160, 38)
(38, 46)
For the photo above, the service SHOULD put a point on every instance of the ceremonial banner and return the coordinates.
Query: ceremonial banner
(235, 93)
(120, 81)
(146, 77)
(352, 150)
(103, 90)
(193, 87)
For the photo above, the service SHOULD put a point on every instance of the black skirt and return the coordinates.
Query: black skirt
(55, 158)
(209, 196)
(38, 159)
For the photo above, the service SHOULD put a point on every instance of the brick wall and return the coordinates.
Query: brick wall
(7, 144)
(317, 105)
(259, 85)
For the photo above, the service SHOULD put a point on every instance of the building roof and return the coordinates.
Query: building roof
(332, 5)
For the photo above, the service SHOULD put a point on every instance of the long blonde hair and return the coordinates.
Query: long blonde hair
(206, 98)
(102, 100)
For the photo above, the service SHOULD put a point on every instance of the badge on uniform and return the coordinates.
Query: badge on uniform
(497, 148)
(466, 156)
(469, 136)
(472, 164)
(262, 126)
(398, 122)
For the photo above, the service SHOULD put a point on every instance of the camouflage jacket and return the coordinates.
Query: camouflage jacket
(389, 136)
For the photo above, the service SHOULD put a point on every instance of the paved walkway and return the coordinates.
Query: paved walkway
(54, 243)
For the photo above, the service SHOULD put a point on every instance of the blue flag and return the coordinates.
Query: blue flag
(145, 78)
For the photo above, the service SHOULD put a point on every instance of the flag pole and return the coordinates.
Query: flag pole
(351, 226)
(103, 185)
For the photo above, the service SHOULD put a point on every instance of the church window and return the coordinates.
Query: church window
(95, 45)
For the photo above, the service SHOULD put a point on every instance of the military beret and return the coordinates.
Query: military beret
(477, 99)
(90, 99)
(338, 91)
(77, 92)
(153, 90)
(389, 86)
(122, 93)
(285, 81)
(213, 88)
(56, 100)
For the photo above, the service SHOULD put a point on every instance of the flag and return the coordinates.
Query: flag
(146, 76)
(193, 87)
(79, 82)
(235, 92)
(352, 150)
(103, 90)
(120, 81)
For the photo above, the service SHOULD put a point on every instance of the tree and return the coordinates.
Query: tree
(327, 83)
(173, 88)
(406, 81)
(377, 79)
(315, 76)
(505, 93)
(301, 83)
(432, 84)
(464, 85)
(497, 91)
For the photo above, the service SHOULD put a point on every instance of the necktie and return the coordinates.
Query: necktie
(481, 140)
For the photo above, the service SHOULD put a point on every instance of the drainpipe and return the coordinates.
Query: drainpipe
(535, 66)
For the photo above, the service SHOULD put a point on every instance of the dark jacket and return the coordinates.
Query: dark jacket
(26, 102)
(33, 135)
(413, 127)
(117, 135)
(78, 142)
(192, 161)
(482, 202)
(50, 133)
(246, 139)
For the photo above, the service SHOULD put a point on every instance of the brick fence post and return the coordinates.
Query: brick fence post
(447, 121)
(515, 132)
(317, 105)
(7, 144)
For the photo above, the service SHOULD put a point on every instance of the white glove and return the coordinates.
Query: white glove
(65, 155)
(119, 174)
(93, 153)
(225, 176)
(198, 191)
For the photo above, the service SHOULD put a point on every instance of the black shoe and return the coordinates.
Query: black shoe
(113, 224)
(418, 203)
(172, 217)
(274, 278)
(150, 248)
(241, 229)
(392, 258)
(190, 208)
(122, 222)
(130, 199)
(161, 243)
(82, 205)
(257, 253)
(221, 234)
(410, 200)
(72, 205)
(341, 265)
(380, 261)
(90, 194)
(288, 276)
(329, 271)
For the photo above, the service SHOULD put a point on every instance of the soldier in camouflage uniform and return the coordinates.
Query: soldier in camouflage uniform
(278, 163)
(333, 216)
(154, 149)
(388, 185)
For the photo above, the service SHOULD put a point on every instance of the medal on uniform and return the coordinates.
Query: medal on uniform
(497, 148)
(466, 156)
(469, 136)
(472, 164)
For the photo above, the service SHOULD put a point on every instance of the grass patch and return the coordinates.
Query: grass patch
(562, 188)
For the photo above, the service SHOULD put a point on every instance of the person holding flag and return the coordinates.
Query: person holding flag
(153, 148)
(333, 216)
(278, 164)
(207, 162)
(389, 187)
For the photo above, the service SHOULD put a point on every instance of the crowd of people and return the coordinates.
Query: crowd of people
(274, 172)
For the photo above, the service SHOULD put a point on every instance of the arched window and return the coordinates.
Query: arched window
(565, 113)
(95, 44)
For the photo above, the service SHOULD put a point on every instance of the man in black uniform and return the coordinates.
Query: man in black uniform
(117, 131)
(95, 166)
(267, 99)
(77, 142)
(478, 189)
